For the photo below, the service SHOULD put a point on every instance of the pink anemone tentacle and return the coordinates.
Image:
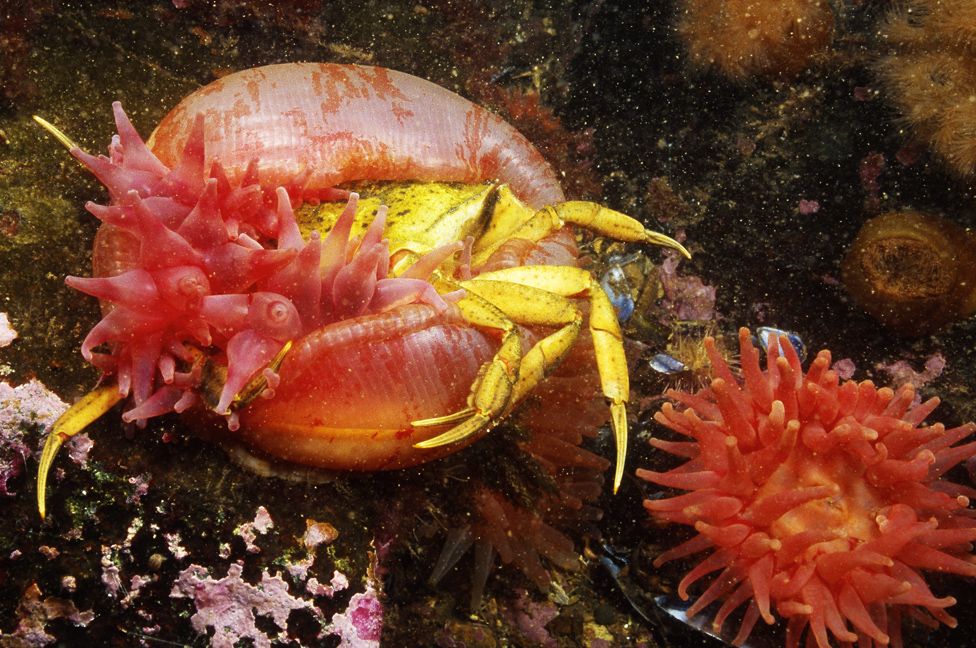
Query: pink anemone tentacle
(216, 262)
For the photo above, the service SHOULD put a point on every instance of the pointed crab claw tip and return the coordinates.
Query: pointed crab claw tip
(666, 241)
(618, 419)
(58, 134)
(77, 417)
(51, 447)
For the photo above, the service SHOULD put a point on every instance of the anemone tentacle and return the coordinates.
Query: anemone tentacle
(220, 267)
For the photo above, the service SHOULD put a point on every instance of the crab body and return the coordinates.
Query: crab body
(366, 334)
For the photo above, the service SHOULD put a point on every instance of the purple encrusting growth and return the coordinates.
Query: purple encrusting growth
(686, 296)
(174, 543)
(531, 618)
(230, 605)
(808, 207)
(197, 262)
(249, 530)
(111, 572)
(361, 625)
(140, 486)
(338, 583)
(24, 406)
(7, 332)
(901, 372)
(316, 533)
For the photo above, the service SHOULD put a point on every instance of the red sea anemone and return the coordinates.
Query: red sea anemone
(818, 499)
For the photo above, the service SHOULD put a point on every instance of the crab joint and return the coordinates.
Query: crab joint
(261, 382)
(79, 416)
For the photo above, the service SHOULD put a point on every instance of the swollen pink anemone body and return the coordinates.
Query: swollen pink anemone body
(200, 253)
(817, 500)
(317, 125)
(216, 264)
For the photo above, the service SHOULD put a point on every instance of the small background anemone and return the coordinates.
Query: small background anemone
(742, 38)
(930, 75)
(913, 272)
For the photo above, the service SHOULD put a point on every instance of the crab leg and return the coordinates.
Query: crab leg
(612, 224)
(510, 219)
(608, 345)
(502, 304)
(492, 389)
(79, 416)
(530, 306)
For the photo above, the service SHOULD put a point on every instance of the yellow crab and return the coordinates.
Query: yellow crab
(501, 304)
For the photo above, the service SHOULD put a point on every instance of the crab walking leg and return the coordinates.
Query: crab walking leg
(607, 337)
(530, 306)
(79, 416)
(492, 389)
(519, 304)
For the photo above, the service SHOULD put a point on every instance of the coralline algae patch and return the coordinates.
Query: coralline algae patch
(7, 332)
(24, 408)
(230, 599)
(226, 599)
(229, 605)
(227, 608)
(818, 501)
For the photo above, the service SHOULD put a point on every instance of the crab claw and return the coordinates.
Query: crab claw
(613, 224)
(79, 416)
